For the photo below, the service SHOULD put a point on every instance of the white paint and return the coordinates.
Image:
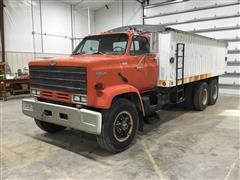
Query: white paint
(231, 112)
(17, 21)
(92, 4)
(56, 20)
(19, 60)
(233, 69)
(106, 19)
(202, 56)
(89, 23)
(228, 22)
(229, 91)
(227, 80)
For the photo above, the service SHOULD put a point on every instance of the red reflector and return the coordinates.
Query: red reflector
(78, 106)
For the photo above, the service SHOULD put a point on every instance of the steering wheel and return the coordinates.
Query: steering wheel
(122, 49)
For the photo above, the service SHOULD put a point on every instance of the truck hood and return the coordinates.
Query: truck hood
(77, 60)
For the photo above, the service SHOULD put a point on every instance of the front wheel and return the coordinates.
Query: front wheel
(49, 127)
(120, 125)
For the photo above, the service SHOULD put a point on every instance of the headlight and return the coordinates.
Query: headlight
(35, 92)
(38, 93)
(79, 99)
(76, 98)
(84, 99)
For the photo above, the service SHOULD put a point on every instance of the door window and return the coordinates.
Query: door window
(119, 46)
(139, 46)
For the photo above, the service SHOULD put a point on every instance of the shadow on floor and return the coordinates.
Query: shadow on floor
(86, 144)
(167, 114)
(75, 141)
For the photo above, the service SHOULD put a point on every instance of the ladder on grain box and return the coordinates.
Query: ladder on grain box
(180, 97)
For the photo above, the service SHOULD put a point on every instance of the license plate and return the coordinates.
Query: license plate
(27, 107)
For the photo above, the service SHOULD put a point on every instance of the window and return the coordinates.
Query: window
(103, 44)
(90, 47)
(119, 46)
(139, 46)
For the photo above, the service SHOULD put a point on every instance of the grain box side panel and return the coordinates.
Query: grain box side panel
(204, 58)
(164, 54)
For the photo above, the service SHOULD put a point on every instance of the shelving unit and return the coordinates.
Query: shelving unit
(12, 86)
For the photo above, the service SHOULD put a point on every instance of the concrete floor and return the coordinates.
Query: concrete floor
(181, 145)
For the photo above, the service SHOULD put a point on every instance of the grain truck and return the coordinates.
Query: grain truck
(113, 80)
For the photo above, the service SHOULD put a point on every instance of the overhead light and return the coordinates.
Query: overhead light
(29, 3)
(178, 0)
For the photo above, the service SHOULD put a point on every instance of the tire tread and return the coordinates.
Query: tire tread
(103, 139)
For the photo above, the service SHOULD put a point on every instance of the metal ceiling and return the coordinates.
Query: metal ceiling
(92, 4)
(97, 4)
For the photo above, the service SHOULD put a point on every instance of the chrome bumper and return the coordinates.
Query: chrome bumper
(81, 119)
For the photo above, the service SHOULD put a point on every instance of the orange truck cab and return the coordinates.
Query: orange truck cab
(105, 87)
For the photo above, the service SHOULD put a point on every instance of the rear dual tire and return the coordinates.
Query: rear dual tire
(213, 92)
(201, 96)
(205, 94)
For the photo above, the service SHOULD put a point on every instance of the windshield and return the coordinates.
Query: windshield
(103, 44)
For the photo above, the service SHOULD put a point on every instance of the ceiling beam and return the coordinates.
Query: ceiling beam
(2, 30)
(142, 1)
(139, 1)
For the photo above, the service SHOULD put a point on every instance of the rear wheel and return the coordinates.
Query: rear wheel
(49, 127)
(120, 125)
(201, 96)
(213, 91)
(188, 102)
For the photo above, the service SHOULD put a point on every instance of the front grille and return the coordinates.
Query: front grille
(67, 79)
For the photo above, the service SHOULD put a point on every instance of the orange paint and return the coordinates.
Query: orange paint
(141, 73)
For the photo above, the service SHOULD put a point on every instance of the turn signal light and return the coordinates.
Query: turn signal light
(35, 92)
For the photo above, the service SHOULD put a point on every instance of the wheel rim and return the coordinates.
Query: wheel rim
(215, 93)
(205, 96)
(123, 126)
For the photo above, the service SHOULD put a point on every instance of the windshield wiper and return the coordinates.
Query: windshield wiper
(77, 53)
(99, 52)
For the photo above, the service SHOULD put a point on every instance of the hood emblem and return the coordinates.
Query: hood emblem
(52, 63)
(101, 73)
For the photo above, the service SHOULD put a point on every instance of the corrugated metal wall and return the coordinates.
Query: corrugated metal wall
(213, 18)
(19, 60)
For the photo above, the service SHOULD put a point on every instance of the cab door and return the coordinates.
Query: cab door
(143, 71)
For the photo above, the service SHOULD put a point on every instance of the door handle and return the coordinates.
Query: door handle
(139, 67)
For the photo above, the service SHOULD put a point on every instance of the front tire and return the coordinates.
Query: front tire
(120, 125)
(49, 127)
(201, 96)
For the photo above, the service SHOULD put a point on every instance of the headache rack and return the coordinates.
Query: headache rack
(66, 79)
